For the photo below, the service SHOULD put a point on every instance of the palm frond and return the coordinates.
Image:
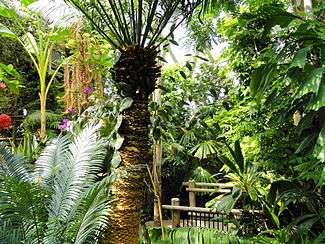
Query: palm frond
(51, 159)
(135, 22)
(204, 149)
(22, 204)
(13, 165)
(202, 175)
(83, 160)
(92, 213)
(57, 12)
(8, 233)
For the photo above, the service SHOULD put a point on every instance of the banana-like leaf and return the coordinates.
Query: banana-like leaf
(232, 165)
(5, 32)
(226, 204)
(116, 160)
(30, 43)
(125, 104)
(7, 12)
(313, 82)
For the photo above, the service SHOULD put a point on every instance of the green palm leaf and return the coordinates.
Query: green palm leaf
(51, 158)
(13, 165)
(83, 160)
(93, 213)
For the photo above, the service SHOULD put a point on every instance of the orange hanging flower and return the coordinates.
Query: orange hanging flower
(5, 121)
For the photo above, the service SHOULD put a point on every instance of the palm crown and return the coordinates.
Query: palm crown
(135, 28)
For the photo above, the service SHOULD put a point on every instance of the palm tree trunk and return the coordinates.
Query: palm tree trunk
(128, 188)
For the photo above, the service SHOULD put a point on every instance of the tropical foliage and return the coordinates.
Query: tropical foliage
(214, 91)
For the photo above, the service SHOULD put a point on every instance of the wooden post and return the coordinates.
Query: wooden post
(176, 214)
(191, 194)
(308, 7)
(157, 162)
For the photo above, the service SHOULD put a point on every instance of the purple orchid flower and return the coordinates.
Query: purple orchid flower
(87, 90)
(71, 110)
(64, 124)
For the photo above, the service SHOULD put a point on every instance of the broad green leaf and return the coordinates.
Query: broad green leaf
(252, 192)
(226, 204)
(274, 217)
(300, 57)
(118, 124)
(308, 141)
(7, 12)
(261, 79)
(229, 163)
(319, 150)
(30, 43)
(312, 83)
(236, 192)
(116, 144)
(283, 19)
(5, 32)
(318, 100)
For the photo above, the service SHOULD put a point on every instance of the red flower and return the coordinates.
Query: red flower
(5, 121)
(3, 86)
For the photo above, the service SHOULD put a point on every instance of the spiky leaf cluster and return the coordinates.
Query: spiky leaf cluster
(61, 200)
(135, 22)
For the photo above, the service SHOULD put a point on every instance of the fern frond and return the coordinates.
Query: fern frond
(13, 165)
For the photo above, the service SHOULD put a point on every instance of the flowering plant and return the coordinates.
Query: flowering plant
(88, 90)
(71, 110)
(5, 121)
(64, 124)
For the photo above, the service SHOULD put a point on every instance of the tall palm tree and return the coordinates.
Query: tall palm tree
(137, 28)
(61, 199)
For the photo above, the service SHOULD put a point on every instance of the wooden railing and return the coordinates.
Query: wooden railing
(203, 217)
(194, 187)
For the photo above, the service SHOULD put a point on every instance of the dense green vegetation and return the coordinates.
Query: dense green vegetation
(80, 127)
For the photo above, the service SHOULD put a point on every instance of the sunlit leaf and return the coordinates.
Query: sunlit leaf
(313, 82)
(5, 32)
(30, 43)
(300, 57)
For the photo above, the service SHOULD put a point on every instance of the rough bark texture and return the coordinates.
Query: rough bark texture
(128, 188)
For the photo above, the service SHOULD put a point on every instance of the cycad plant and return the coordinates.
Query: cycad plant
(136, 28)
(61, 198)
